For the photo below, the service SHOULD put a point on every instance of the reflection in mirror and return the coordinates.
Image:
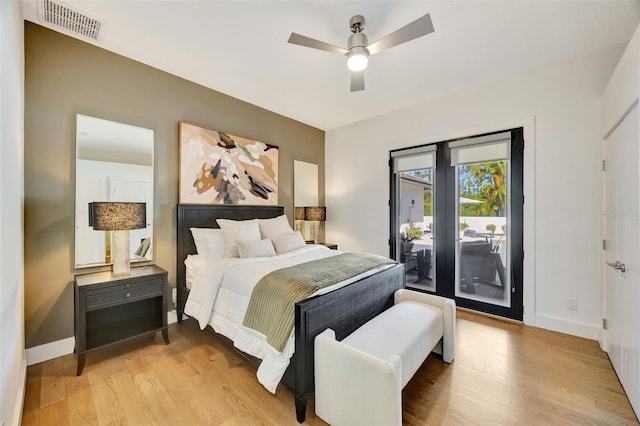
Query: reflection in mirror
(305, 184)
(305, 190)
(114, 162)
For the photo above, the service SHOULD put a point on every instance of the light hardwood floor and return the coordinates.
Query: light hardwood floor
(503, 374)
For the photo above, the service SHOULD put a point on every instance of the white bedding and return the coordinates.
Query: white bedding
(220, 293)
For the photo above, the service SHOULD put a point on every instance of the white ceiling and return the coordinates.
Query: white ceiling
(240, 47)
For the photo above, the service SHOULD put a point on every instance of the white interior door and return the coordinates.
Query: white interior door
(622, 234)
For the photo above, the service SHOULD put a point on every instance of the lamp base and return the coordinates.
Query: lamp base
(120, 253)
(315, 231)
(299, 226)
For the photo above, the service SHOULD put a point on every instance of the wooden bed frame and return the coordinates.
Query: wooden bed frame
(343, 310)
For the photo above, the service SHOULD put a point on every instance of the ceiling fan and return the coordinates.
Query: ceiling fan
(358, 47)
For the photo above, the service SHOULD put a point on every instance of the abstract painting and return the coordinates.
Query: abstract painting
(220, 168)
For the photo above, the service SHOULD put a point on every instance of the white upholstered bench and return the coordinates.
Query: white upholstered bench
(359, 380)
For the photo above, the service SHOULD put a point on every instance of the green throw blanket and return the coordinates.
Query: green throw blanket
(271, 307)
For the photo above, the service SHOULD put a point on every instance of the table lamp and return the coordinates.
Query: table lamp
(298, 219)
(119, 217)
(316, 215)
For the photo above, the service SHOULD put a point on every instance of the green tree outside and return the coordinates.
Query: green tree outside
(483, 182)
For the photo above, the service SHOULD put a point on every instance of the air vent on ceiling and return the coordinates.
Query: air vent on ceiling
(71, 19)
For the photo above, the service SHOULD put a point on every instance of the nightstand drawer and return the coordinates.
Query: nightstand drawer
(123, 294)
(120, 285)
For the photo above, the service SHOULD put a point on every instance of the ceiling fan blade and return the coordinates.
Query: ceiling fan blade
(357, 81)
(315, 44)
(418, 28)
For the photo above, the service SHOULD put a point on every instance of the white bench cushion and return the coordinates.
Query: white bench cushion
(409, 330)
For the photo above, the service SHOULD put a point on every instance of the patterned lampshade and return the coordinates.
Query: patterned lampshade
(316, 214)
(298, 213)
(111, 216)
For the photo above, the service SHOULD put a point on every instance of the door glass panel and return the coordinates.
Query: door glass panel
(482, 246)
(416, 245)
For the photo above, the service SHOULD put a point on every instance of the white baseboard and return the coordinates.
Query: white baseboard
(172, 317)
(38, 354)
(588, 331)
(63, 347)
(22, 389)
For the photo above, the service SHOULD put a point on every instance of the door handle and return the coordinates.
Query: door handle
(617, 265)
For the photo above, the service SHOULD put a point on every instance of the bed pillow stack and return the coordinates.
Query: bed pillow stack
(247, 238)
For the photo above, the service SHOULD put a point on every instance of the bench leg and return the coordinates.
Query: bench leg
(301, 407)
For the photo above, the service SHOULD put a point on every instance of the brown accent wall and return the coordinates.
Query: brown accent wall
(65, 77)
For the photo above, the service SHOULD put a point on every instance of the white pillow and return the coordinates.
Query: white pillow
(234, 230)
(271, 228)
(288, 242)
(209, 242)
(193, 265)
(260, 248)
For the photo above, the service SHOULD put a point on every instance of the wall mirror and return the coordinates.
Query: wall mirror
(305, 184)
(305, 190)
(114, 162)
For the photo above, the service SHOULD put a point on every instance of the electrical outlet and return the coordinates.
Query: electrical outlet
(572, 304)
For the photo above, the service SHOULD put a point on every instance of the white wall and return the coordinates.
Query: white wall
(559, 105)
(622, 90)
(12, 356)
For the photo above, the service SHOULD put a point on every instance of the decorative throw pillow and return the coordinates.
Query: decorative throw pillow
(260, 248)
(234, 230)
(209, 242)
(288, 242)
(272, 228)
(143, 248)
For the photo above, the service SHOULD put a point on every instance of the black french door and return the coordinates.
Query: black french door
(457, 220)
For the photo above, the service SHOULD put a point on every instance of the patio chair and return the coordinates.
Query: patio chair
(424, 264)
(415, 259)
(474, 262)
(407, 256)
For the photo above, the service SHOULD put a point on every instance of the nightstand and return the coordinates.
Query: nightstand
(111, 309)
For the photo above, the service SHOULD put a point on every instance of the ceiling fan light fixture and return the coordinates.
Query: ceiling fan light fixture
(358, 59)
(358, 48)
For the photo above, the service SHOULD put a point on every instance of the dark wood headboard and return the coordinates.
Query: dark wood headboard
(204, 216)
